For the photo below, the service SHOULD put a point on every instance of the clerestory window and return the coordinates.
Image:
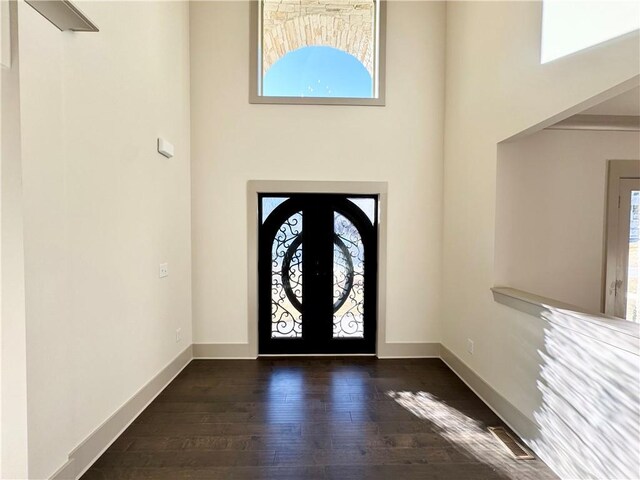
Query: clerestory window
(317, 52)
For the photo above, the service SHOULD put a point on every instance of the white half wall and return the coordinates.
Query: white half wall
(234, 142)
(550, 217)
(102, 210)
(496, 88)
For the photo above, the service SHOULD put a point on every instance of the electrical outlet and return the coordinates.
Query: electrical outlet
(164, 270)
(178, 335)
(470, 346)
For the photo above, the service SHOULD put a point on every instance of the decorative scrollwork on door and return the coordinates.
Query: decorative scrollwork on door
(348, 280)
(286, 279)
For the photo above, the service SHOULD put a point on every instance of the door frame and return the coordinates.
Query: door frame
(254, 187)
(617, 170)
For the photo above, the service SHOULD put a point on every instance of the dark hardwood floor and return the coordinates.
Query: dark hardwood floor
(319, 418)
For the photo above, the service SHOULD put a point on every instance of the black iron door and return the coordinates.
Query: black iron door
(317, 265)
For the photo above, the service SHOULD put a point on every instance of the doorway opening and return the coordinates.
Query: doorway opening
(622, 260)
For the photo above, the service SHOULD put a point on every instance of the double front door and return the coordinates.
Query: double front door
(317, 273)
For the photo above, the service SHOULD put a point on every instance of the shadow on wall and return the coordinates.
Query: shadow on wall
(589, 418)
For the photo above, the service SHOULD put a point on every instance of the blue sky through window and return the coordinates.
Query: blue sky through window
(318, 72)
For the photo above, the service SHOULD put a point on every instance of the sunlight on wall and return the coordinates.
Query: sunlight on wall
(589, 418)
(466, 434)
(571, 26)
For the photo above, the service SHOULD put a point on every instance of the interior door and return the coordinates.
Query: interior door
(317, 269)
(627, 275)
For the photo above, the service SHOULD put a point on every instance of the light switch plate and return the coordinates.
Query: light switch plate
(164, 270)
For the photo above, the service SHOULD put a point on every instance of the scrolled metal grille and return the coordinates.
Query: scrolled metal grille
(286, 279)
(348, 280)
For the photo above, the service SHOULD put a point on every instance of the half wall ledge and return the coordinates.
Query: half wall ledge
(616, 332)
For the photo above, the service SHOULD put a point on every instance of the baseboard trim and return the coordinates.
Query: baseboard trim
(316, 355)
(514, 418)
(222, 351)
(85, 454)
(409, 350)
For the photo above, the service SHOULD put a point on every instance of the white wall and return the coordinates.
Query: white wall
(550, 212)
(1, 376)
(100, 216)
(496, 88)
(101, 211)
(13, 356)
(233, 142)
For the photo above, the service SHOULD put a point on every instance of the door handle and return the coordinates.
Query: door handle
(615, 286)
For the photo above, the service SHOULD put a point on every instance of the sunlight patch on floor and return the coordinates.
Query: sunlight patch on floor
(465, 433)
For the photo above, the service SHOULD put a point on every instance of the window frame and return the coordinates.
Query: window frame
(255, 67)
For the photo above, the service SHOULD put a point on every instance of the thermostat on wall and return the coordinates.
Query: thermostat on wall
(165, 148)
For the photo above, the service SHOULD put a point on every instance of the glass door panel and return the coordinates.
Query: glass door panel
(286, 279)
(348, 280)
(633, 262)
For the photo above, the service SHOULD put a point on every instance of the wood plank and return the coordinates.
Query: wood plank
(314, 418)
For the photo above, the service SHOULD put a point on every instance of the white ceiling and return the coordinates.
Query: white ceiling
(627, 103)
